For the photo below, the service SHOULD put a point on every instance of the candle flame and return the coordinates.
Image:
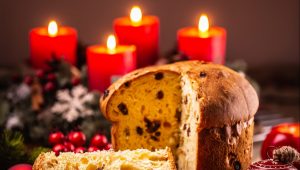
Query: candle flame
(136, 14)
(52, 28)
(203, 25)
(111, 42)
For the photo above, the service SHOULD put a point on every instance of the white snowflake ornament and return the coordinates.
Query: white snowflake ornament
(71, 104)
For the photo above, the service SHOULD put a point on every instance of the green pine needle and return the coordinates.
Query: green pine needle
(14, 151)
(12, 148)
(36, 152)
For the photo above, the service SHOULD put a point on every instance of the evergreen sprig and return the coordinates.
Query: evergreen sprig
(12, 148)
(14, 151)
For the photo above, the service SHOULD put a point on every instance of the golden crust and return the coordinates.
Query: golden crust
(226, 97)
(171, 159)
(227, 156)
(38, 162)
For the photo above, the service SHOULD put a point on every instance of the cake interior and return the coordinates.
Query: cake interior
(140, 159)
(146, 112)
(188, 149)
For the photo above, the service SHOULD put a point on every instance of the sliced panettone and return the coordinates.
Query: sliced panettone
(203, 111)
(151, 108)
(140, 159)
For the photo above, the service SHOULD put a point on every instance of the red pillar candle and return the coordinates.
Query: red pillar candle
(45, 42)
(203, 43)
(141, 31)
(107, 63)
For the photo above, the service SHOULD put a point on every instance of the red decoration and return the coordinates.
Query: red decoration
(75, 141)
(106, 65)
(271, 165)
(21, 167)
(144, 34)
(77, 138)
(80, 149)
(99, 141)
(75, 81)
(108, 147)
(93, 149)
(287, 134)
(44, 45)
(56, 138)
(59, 148)
(51, 77)
(28, 80)
(69, 146)
(40, 74)
(49, 86)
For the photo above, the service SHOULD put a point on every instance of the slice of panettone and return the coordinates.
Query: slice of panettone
(140, 159)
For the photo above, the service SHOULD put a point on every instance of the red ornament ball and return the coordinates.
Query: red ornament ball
(40, 74)
(75, 81)
(49, 86)
(108, 147)
(287, 134)
(80, 149)
(28, 80)
(59, 148)
(69, 146)
(99, 141)
(77, 138)
(56, 138)
(271, 165)
(51, 77)
(93, 149)
(21, 167)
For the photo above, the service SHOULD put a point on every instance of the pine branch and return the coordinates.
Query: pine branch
(12, 148)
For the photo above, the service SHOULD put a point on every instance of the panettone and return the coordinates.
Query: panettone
(203, 111)
(140, 159)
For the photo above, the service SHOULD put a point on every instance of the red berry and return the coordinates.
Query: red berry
(51, 77)
(99, 141)
(59, 148)
(80, 149)
(56, 138)
(77, 138)
(75, 81)
(107, 147)
(49, 86)
(69, 146)
(93, 149)
(40, 73)
(28, 80)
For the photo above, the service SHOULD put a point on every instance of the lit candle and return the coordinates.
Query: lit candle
(46, 42)
(141, 31)
(203, 42)
(107, 63)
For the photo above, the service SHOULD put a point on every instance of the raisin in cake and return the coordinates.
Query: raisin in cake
(140, 159)
(203, 111)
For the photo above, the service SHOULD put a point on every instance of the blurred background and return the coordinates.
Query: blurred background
(263, 33)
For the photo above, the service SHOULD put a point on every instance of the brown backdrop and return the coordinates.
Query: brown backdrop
(259, 31)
